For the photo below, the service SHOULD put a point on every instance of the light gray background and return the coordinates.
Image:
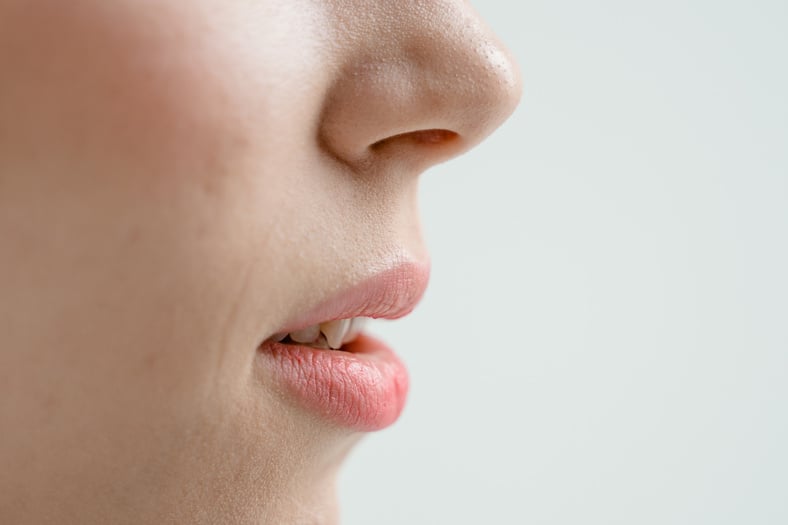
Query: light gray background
(605, 336)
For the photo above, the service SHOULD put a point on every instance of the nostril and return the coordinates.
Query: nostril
(426, 137)
(417, 149)
(434, 136)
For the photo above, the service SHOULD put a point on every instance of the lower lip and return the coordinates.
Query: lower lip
(363, 388)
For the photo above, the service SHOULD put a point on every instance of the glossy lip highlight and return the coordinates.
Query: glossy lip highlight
(363, 387)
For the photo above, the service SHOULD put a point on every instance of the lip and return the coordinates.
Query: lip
(364, 387)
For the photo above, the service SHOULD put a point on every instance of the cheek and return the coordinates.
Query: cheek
(164, 88)
(147, 161)
(102, 87)
(157, 163)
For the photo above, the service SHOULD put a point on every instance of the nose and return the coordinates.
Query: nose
(417, 82)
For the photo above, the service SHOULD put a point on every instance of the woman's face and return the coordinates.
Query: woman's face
(181, 181)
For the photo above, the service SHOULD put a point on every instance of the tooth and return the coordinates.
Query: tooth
(335, 332)
(278, 338)
(307, 335)
(321, 343)
(356, 326)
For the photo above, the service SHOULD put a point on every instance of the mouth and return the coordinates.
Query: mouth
(327, 364)
(330, 335)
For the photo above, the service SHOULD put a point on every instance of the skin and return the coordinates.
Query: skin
(177, 181)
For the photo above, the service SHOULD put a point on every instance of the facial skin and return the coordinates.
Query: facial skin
(178, 179)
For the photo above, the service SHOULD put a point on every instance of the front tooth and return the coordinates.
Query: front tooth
(335, 332)
(355, 328)
(307, 335)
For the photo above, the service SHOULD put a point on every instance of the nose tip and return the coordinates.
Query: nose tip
(420, 85)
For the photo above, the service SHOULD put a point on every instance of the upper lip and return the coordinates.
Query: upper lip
(387, 294)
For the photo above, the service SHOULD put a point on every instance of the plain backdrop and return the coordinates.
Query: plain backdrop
(605, 336)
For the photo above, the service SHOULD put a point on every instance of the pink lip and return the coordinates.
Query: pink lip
(365, 387)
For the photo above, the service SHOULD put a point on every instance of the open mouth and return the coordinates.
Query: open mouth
(330, 335)
(324, 361)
